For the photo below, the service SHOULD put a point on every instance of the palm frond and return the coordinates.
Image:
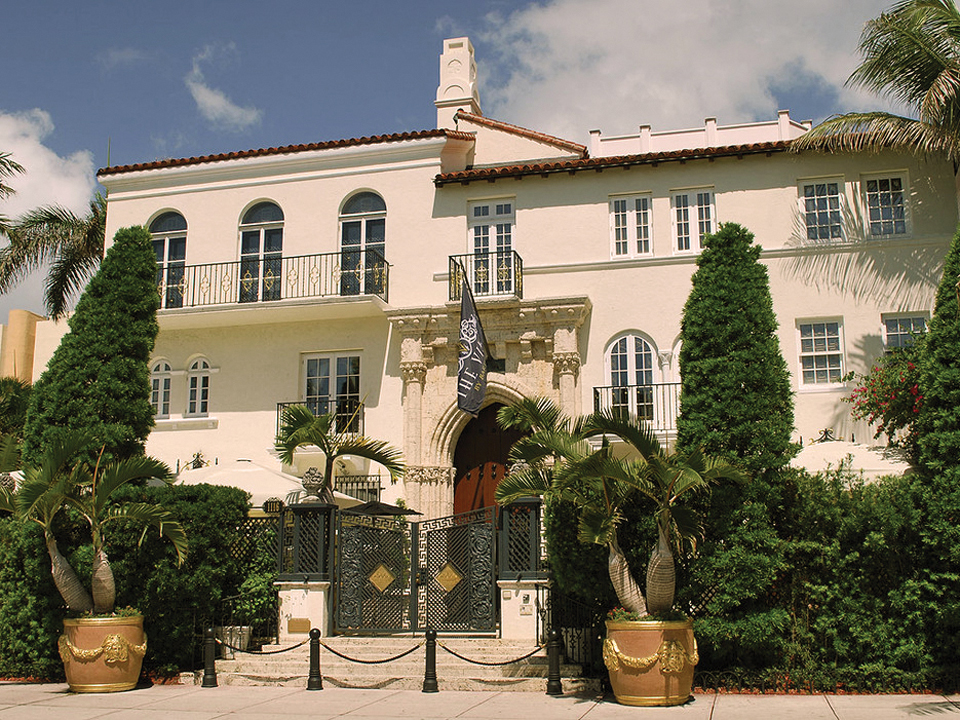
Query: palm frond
(529, 414)
(376, 450)
(299, 427)
(122, 472)
(152, 516)
(9, 453)
(630, 429)
(524, 482)
(8, 168)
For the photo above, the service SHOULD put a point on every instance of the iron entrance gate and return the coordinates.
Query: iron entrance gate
(394, 575)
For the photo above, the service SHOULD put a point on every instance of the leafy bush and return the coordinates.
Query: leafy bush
(177, 601)
(890, 396)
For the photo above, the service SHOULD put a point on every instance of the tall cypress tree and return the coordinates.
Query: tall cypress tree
(736, 402)
(98, 378)
(735, 398)
(939, 423)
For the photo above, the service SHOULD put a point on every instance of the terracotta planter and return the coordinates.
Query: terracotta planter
(650, 663)
(103, 654)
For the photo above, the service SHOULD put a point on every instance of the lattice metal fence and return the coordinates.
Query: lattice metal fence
(306, 542)
(521, 546)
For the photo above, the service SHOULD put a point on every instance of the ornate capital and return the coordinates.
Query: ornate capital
(665, 357)
(566, 363)
(413, 371)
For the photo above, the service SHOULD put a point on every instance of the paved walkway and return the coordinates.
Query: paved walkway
(191, 702)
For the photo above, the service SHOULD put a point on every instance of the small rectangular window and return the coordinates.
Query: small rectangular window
(900, 331)
(821, 353)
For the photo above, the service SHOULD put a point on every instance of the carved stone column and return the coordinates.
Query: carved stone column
(429, 490)
(567, 365)
(413, 373)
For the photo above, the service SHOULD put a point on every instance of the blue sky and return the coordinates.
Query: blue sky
(173, 79)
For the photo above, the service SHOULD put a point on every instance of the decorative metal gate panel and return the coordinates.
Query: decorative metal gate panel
(374, 574)
(457, 587)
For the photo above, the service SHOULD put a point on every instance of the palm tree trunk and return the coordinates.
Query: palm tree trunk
(628, 592)
(661, 577)
(102, 584)
(66, 580)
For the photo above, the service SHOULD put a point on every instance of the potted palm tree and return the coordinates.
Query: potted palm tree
(649, 651)
(102, 650)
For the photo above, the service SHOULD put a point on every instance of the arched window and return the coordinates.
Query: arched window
(363, 265)
(169, 232)
(160, 389)
(198, 388)
(630, 363)
(261, 252)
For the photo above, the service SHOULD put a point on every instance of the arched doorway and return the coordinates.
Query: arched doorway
(480, 460)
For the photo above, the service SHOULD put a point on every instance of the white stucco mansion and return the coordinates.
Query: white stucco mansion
(321, 273)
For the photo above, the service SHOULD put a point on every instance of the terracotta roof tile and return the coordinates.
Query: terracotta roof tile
(517, 130)
(600, 163)
(285, 150)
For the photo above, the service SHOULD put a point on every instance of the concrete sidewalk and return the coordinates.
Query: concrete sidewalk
(191, 702)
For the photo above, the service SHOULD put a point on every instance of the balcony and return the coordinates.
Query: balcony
(348, 412)
(362, 487)
(269, 279)
(658, 403)
(496, 274)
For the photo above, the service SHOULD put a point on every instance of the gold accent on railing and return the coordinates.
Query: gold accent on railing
(671, 655)
(115, 649)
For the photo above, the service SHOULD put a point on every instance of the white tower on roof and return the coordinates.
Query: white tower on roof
(458, 82)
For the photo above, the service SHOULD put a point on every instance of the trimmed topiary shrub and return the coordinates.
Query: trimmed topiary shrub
(98, 378)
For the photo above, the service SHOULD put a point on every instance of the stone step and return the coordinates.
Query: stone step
(289, 664)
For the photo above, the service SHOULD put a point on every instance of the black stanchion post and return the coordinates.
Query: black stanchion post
(430, 673)
(209, 659)
(554, 686)
(315, 679)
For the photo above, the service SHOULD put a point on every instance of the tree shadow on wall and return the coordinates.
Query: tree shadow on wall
(898, 275)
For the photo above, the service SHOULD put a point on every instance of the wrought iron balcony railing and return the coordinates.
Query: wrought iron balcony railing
(493, 274)
(348, 412)
(658, 404)
(362, 487)
(340, 274)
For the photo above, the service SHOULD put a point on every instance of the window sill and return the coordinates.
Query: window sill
(823, 388)
(190, 423)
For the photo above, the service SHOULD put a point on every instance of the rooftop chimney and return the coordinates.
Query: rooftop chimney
(458, 82)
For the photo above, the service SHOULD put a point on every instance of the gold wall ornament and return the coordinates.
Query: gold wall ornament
(115, 649)
(671, 655)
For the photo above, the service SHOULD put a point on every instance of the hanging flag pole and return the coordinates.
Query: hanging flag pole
(472, 370)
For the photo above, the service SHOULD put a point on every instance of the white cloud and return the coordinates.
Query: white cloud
(567, 66)
(115, 57)
(213, 104)
(49, 180)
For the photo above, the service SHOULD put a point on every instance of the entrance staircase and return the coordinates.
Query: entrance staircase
(292, 667)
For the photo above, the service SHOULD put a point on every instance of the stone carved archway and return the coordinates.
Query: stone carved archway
(539, 344)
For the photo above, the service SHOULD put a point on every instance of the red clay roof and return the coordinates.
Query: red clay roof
(600, 163)
(286, 149)
(523, 132)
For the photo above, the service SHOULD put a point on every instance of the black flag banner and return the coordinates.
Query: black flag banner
(472, 371)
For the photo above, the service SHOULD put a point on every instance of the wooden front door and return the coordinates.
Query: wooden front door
(481, 460)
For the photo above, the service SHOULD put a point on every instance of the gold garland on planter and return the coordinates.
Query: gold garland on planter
(115, 649)
(671, 655)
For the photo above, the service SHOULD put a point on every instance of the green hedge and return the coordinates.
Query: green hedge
(829, 582)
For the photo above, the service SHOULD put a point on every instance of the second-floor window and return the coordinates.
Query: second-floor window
(899, 331)
(261, 252)
(630, 366)
(822, 209)
(630, 225)
(693, 219)
(363, 233)
(821, 352)
(169, 232)
(886, 207)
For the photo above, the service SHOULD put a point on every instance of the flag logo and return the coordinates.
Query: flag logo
(472, 369)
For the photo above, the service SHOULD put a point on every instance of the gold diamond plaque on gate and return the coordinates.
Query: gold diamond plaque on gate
(449, 577)
(382, 578)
